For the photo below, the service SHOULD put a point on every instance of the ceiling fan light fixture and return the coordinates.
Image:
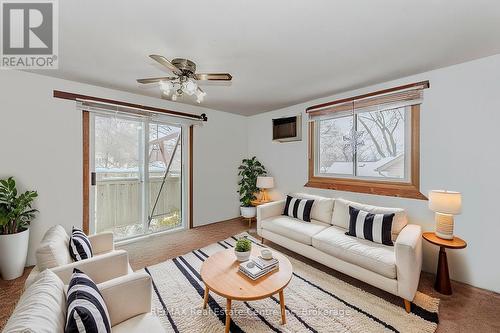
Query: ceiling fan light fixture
(185, 79)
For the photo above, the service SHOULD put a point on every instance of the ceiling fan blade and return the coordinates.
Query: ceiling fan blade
(163, 61)
(213, 76)
(156, 79)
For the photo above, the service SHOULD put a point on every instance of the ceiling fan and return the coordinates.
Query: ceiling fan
(184, 81)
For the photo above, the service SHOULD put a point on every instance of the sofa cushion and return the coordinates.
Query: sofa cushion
(298, 208)
(41, 308)
(373, 227)
(294, 229)
(375, 257)
(80, 247)
(341, 215)
(322, 207)
(54, 249)
(86, 307)
(142, 323)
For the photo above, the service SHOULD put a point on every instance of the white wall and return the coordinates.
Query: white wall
(460, 151)
(219, 147)
(41, 146)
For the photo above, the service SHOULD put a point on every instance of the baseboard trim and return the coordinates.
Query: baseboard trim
(239, 218)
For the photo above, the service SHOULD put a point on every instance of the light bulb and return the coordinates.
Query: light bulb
(166, 86)
(189, 87)
(200, 95)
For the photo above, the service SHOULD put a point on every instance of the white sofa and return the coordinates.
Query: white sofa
(53, 253)
(42, 307)
(395, 269)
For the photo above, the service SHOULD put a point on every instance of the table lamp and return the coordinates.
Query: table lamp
(264, 183)
(445, 204)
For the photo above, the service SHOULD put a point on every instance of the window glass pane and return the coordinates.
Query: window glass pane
(381, 144)
(335, 146)
(118, 192)
(164, 197)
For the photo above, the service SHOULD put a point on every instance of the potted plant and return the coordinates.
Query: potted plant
(249, 170)
(16, 214)
(243, 249)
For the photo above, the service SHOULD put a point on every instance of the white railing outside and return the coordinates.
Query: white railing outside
(118, 201)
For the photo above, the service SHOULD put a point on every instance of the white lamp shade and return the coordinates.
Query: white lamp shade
(265, 182)
(445, 202)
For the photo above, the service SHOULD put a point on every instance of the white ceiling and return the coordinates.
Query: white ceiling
(279, 52)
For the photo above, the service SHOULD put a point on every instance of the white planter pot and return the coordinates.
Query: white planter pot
(248, 212)
(13, 252)
(242, 256)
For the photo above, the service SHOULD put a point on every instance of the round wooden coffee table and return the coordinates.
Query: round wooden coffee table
(220, 275)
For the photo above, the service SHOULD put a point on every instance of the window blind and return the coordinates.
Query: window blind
(396, 98)
(135, 113)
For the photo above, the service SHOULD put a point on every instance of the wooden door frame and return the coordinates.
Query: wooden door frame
(86, 172)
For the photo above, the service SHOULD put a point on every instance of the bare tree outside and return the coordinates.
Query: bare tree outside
(385, 130)
(116, 143)
(378, 144)
(332, 145)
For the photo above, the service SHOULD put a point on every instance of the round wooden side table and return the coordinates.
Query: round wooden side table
(442, 283)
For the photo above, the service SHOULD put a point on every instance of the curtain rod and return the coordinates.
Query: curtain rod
(75, 97)
(423, 84)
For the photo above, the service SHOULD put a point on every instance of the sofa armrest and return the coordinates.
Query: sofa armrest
(408, 248)
(268, 210)
(102, 242)
(127, 296)
(100, 268)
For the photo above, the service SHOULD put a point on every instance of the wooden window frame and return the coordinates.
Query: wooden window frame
(409, 189)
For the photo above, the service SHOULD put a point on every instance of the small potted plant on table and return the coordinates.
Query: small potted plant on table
(243, 249)
(16, 214)
(249, 170)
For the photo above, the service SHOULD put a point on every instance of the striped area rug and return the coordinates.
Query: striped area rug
(315, 302)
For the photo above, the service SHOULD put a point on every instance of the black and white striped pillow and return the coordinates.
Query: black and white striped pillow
(86, 310)
(79, 245)
(374, 227)
(298, 208)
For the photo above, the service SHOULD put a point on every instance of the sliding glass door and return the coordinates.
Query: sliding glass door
(137, 179)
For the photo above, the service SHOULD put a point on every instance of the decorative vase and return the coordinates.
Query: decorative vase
(248, 212)
(13, 252)
(242, 256)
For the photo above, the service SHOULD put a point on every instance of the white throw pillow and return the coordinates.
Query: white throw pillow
(322, 207)
(41, 308)
(54, 249)
(340, 216)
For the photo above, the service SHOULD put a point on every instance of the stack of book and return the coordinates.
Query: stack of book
(257, 267)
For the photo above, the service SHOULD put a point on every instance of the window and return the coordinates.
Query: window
(368, 145)
(371, 145)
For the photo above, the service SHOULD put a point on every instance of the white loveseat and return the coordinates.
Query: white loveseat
(53, 253)
(42, 307)
(395, 269)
